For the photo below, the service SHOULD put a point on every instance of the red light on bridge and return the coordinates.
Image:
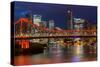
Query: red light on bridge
(24, 44)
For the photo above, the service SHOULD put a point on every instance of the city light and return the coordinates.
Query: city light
(52, 39)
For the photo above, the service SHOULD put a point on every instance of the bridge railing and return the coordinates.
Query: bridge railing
(67, 33)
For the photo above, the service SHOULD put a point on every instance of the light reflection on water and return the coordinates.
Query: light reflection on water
(78, 53)
(54, 55)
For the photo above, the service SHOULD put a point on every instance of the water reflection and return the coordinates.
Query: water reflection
(78, 53)
(56, 53)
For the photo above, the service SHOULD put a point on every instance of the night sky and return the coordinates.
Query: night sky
(55, 12)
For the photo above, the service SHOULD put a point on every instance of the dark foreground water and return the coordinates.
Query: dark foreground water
(58, 54)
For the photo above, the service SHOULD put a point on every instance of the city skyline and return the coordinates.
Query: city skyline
(58, 13)
(55, 33)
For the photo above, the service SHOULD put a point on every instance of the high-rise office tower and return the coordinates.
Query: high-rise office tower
(51, 24)
(69, 19)
(43, 24)
(78, 23)
(37, 19)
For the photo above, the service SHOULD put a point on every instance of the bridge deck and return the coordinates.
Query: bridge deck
(50, 37)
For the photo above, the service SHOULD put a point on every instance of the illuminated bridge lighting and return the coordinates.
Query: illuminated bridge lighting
(25, 29)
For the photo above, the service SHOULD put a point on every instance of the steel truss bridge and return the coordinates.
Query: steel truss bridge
(25, 30)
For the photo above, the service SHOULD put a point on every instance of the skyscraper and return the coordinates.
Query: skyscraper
(70, 19)
(43, 24)
(37, 19)
(78, 23)
(51, 24)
